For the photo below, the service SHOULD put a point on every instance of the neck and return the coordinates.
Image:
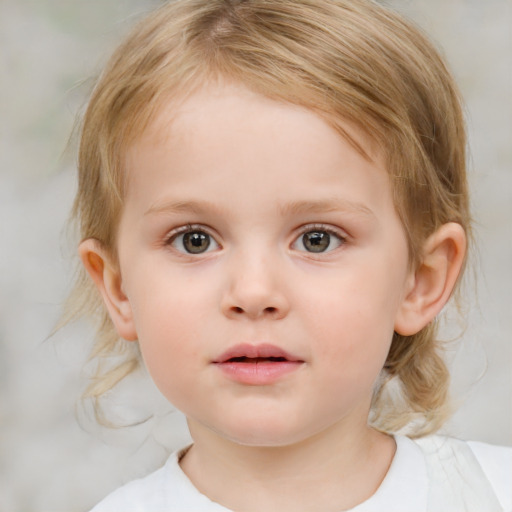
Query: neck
(328, 471)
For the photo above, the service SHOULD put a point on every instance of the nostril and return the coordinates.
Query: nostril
(238, 310)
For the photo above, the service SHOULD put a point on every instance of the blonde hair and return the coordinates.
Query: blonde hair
(347, 60)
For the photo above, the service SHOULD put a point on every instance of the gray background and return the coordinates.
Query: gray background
(49, 50)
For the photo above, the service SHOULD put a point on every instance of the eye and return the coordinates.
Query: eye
(318, 240)
(193, 241)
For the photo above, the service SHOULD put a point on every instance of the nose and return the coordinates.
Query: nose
(254, 289)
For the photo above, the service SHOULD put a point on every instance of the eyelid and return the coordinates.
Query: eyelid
(329, 228)
(186, 228)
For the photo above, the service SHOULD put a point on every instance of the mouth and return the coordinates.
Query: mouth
(256, 353)
(257, 364)
(256, 360)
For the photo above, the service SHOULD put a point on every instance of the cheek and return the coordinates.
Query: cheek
(168, 320)
(355, 317)
(165, 303)
(358, 342)
(171, 355)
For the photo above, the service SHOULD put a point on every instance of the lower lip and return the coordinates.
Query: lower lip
(258, 373)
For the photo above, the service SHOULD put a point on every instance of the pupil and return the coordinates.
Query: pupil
(316, 241)
(196, 242)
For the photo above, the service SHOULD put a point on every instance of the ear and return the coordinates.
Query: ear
(430, 285)
(107, 278)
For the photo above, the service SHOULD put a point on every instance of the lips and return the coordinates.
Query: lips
(251, 353)
(257, 364)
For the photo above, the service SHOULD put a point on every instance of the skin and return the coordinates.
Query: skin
(255, 175)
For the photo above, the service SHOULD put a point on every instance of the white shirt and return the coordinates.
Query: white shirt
(433, 474)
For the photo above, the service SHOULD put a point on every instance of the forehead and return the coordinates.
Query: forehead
(178, 115)
(231, 134)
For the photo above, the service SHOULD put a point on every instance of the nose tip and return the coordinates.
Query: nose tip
(255, 291)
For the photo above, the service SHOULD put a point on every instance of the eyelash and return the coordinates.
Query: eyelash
(311, 228)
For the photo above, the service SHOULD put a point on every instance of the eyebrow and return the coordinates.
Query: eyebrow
(293, 208)
(197, 207)
(325, 206)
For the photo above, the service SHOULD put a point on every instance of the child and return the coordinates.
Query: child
(273, 207)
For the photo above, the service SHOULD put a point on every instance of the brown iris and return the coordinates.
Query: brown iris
(196, 242)
(316, 241)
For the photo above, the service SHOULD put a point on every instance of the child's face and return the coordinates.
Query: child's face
(250, 228)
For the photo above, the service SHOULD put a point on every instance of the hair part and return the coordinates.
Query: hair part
(349, 61)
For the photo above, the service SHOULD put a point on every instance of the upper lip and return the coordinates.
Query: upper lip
(262, 351)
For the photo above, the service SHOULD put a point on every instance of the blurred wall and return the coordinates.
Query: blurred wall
(49, 49)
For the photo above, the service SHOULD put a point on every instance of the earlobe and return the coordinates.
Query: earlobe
(429, 287)
(107, 278)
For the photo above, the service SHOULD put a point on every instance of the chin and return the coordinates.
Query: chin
(264, 435)
(265, 441)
